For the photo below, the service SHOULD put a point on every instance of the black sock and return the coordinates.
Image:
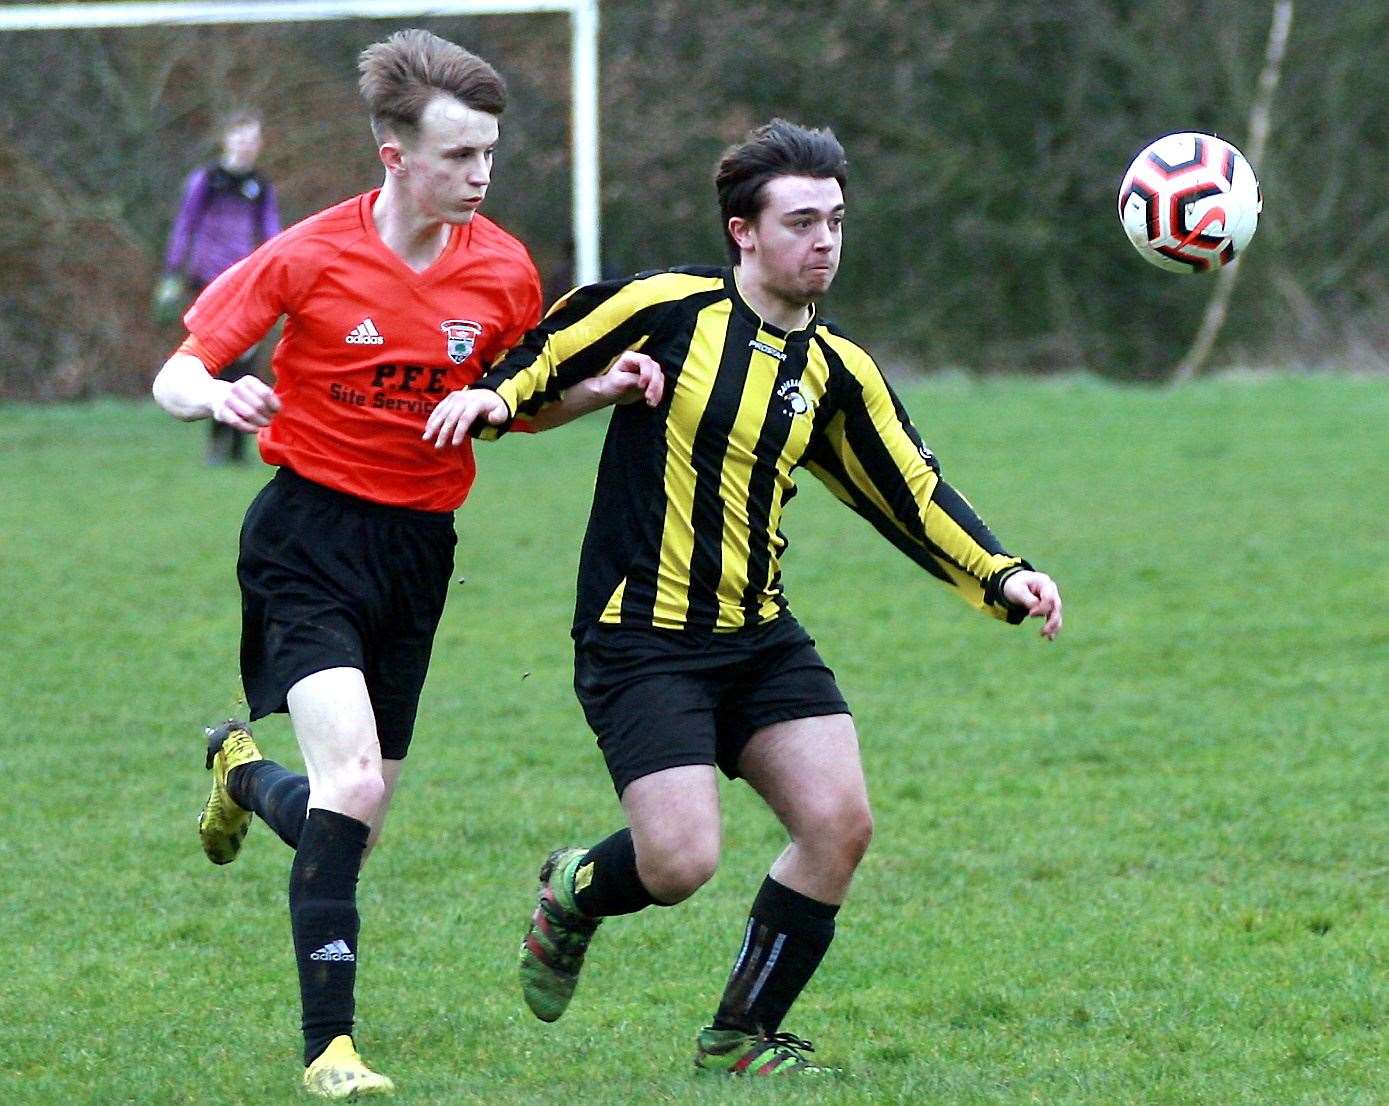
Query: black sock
(279, 796)
(606, 882)
(786, 938)
(323, 915)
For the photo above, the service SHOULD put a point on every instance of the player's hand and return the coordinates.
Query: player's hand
(1039, 594)
(631, 377)
(450, 422)
(247, 404)
(170, 298)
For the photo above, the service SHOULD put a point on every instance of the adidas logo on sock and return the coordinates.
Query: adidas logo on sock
(334, 950)
(365, 334)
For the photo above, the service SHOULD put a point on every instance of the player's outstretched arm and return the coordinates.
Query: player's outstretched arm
(456, 413)
(632, 377)
(186, 390)
(1038, 593)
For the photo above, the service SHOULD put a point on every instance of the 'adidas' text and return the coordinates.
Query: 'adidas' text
(365, 334)
(334, 950)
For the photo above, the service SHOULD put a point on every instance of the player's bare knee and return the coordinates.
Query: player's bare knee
(855, 832)
(356, 790)
(677, 880)
(675, 873)
(366, 790)
(838, 833)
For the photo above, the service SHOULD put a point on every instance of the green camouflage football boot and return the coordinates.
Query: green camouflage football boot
(733, 1052)
(222, 824)
(553, 951)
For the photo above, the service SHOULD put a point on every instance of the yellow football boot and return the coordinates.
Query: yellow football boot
(340, 1073)
(222, 824)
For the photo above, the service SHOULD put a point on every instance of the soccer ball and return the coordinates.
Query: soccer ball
(1190, 202)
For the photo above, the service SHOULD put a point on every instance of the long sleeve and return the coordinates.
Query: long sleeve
(190, 214)
(581, 336)
(870, 456)
(269, 213)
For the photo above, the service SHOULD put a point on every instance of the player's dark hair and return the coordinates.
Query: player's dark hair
(775, 149)
(400, 76)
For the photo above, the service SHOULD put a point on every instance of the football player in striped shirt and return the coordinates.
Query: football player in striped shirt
(391, 300)
(687, 657)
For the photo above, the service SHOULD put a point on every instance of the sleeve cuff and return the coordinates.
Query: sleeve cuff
(194, 346)
(993, 592)
(490, 432)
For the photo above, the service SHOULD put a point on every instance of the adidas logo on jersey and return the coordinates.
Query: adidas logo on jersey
(334, 950)
(365, 334)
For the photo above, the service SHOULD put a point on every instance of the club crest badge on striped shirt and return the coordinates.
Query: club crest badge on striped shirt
(794, 401)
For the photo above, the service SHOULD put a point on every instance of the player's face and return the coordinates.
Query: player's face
(241, 147)
(797, 237)
(448, 167)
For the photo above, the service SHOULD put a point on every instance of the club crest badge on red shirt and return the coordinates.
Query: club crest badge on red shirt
(462, 336)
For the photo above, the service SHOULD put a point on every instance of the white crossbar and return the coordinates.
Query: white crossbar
(583, 41)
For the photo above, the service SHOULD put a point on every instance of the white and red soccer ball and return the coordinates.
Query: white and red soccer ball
(1190, 202)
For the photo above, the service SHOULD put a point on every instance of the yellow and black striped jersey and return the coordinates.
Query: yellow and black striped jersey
(685, 530)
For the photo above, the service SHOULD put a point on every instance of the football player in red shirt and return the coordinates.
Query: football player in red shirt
(391, 301)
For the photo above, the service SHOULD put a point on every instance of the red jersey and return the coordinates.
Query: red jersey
(370, 346)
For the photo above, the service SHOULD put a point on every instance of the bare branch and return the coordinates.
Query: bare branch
(1260, 116)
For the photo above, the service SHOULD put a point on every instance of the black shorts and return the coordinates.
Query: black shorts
(332, 581)
(660, 699)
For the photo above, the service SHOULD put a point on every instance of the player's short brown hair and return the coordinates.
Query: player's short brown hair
(775, 149)
(400, 76)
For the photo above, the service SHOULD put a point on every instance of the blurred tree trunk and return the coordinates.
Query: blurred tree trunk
(1260, 119)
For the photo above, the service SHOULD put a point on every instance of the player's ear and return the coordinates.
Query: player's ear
(392, 156)
(742, 232)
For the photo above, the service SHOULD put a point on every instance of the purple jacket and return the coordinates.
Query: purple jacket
(223, 217)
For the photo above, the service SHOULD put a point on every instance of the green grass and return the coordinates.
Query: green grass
(1146, 864)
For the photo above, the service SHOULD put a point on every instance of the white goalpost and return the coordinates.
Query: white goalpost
(583, 39)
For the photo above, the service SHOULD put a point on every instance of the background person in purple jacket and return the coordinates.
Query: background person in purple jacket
(228, 210)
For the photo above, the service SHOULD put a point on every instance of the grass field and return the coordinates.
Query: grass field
(1146, 864)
